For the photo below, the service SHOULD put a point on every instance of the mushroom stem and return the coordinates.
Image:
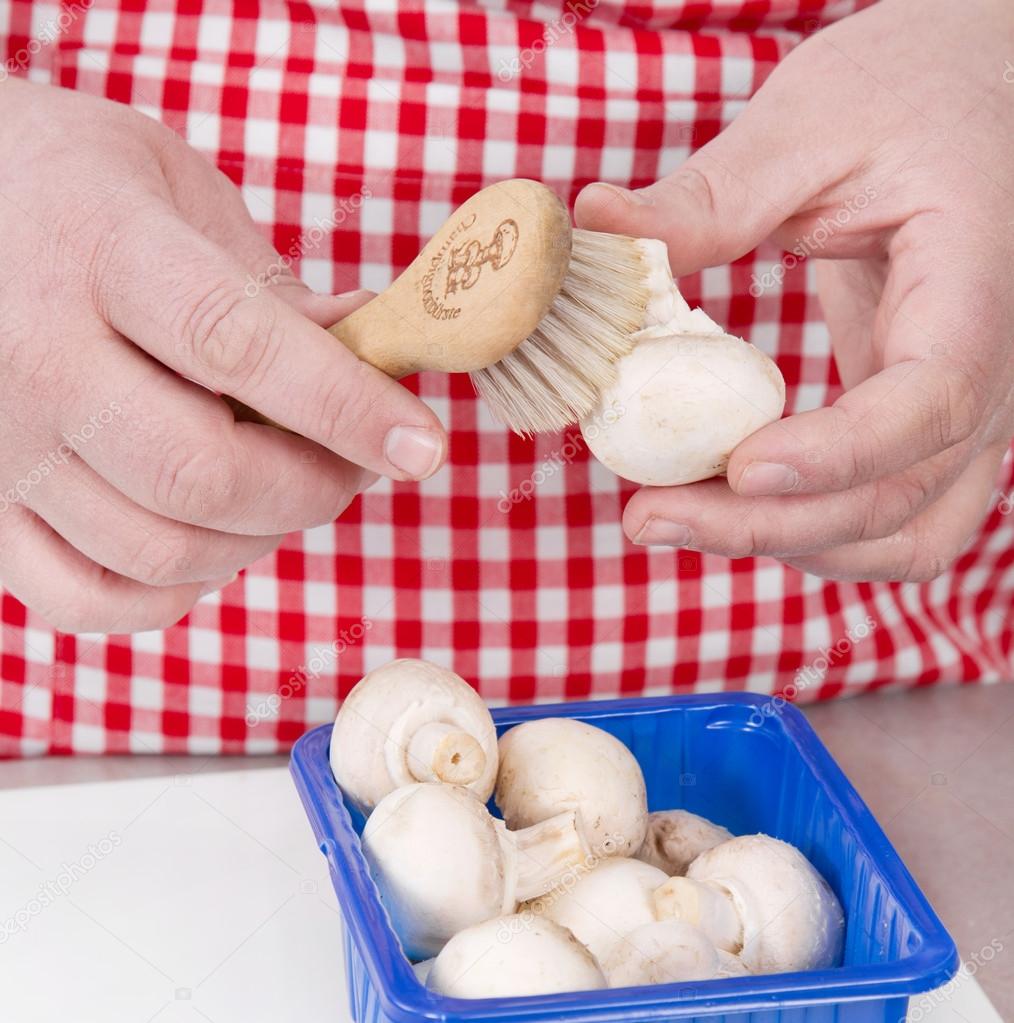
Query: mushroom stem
(704, 904)
(442, 752)
(546, 853)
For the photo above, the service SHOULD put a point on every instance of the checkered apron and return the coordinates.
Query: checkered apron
(308, 106)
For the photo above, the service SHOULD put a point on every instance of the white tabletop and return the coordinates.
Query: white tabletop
(192, 898)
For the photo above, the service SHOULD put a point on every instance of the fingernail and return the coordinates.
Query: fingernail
(353, 293)
(663, 533)
(633, 196)
(764, 479)
(413, 450)
(214, 585)
(367, 479)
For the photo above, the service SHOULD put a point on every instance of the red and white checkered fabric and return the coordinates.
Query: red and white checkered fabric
(308, 106)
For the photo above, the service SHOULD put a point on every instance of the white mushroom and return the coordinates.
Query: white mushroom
(412, 721)
(605, 904)
(761, 898)
(513, 956)
(667, 952)
(686, 395)
(676, 838)
(442, 862)
(422, 969)
(731, 965)
(555, 764)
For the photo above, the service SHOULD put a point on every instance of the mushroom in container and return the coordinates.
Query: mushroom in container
(762, 899)
(412, 721)
(676, 838)
(442, 862)
(668, 952)
(554, 764)
(512, 956)
(606, 903)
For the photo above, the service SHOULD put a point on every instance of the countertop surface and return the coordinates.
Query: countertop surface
(190, 889)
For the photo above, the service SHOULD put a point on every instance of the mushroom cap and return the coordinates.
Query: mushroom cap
(377, 719)
(679, 404)
(791, 918)
(605, 904)
(422, 968)
(438, 862)
(730, 965)
(556, 764)
(514, 956)
(675, 838)
(662, 952)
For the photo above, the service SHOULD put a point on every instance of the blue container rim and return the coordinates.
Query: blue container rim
(403, 999)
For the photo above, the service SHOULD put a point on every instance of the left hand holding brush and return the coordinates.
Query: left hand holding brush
(914, 170)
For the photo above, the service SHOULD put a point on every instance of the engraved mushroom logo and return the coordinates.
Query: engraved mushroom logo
(465, 262)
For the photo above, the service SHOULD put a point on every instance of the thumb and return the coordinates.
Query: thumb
(721, 203)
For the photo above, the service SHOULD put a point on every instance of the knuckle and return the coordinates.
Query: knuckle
(76, 610)
(921, 567)
(699, 188)
(229, 335)
(855, 444)
(163, 560)
(747, 541)
(925, 558)
(954, 410)
(895, 502)
(198, 482)
(342, 404)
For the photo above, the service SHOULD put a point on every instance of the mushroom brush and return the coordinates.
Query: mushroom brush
(536, 311)
(442, 862)
(762, 899)
(411, 721)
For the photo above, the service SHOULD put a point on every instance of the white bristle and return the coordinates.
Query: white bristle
(553, 378)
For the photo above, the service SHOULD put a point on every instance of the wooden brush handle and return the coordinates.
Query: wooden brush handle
(475, 292)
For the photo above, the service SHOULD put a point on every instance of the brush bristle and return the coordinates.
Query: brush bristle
(553, 378)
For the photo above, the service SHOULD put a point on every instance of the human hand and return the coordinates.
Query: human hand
(126, 488)
(894, 126)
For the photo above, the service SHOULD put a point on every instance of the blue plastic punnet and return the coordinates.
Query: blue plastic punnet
(737, 759)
